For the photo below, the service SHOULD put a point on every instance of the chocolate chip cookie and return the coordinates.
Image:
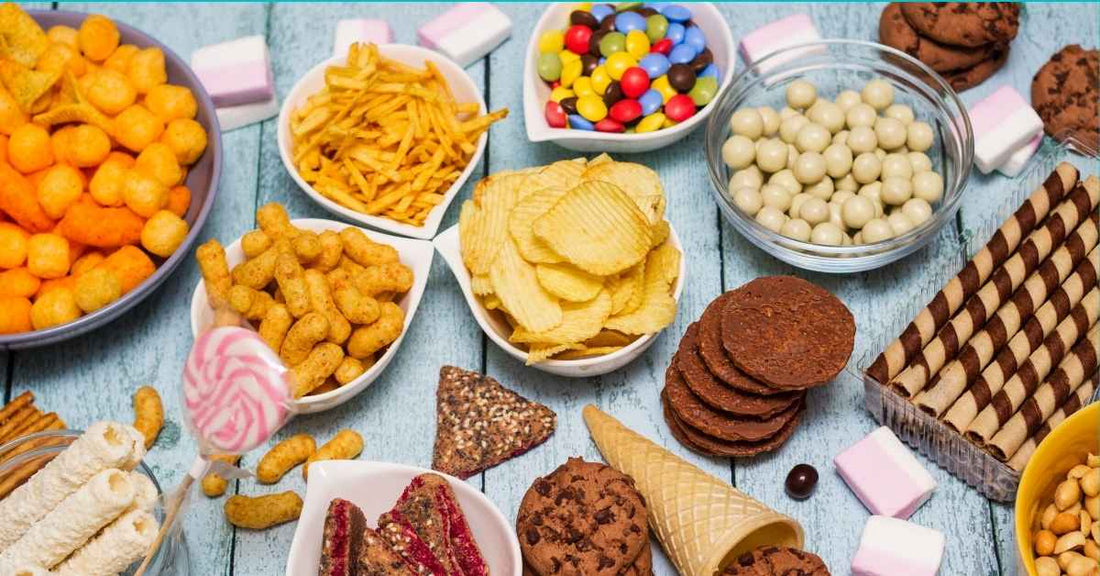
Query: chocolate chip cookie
(895, 31)
(969, 24)
(774, 560)
(583, 519)
(1064, 92)
(968, 78)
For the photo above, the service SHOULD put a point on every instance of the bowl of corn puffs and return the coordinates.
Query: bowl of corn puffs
(110, 156)
(385, 136)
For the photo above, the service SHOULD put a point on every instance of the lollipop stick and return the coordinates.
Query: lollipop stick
(172, 508)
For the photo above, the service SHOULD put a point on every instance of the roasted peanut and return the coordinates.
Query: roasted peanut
(1064, 522)
(1067, 494)
(1047, 566)
(1049, 513)
(1090, 482)
(1092, 550)
(1044, 542)
(1070, 541)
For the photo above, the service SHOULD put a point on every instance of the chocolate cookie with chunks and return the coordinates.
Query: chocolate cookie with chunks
(1065, 93)
(969, 24)
(895, 31)
(968, 78)
(773, 560)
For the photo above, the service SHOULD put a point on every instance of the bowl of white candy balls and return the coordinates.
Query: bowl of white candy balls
(839, 156)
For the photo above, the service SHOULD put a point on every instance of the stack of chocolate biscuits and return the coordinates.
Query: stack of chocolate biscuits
(966, 42)
(737, 385)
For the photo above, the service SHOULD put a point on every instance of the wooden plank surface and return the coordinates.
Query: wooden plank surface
(92, 377)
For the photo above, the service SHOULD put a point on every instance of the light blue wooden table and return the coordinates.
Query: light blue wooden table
(92, 378)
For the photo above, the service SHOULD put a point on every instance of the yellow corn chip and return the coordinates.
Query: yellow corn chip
(569, 282)
(22, 38)
(25, 85)
(517, 284)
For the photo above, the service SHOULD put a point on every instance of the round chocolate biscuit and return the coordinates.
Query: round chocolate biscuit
(773, 560)
(968, 78)
(643, 566)
(787, 332)
(717, 424)
(895, 31)
(714, 356)
(1065, 94)
(703, 444)
(584, 518)
(716, 394)
(968, 24)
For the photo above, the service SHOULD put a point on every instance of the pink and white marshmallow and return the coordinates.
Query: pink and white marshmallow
(1018, 160)
(790, 31)
(467, 32)
(235, 72)
(892, 547)
(1003, 123)
(885, 475)
(349, 32)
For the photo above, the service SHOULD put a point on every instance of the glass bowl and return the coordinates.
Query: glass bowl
(833, 66)
(30, 453)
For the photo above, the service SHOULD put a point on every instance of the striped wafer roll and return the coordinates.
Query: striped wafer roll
(1078, 367)
(1027, 340)
(952, 380)
(1077, 208)
(118, 546)
(1075, 402)
(948, 300)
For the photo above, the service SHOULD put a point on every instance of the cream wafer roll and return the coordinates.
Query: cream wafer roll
(1077, 208)
(118, 546)
(104, 445)
(952, 380)
(23, 570)
(948, 300)
(74, 521)
(1025, 382)
(1028, 339)
(1072, 373)
(145, 492)
(1075, 402)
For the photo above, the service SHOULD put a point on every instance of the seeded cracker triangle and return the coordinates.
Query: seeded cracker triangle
(480, 423)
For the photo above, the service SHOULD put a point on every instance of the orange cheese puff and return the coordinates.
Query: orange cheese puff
(61, 57)
(48, 256)
(29, 148)
(102, 227)
(136, 127)
(53, 308)
(146, 70)
(66, 35)
(60, 144)
(86, 262)
(18, 200)
(98, 37)
(11, 115)
(186, 138)
(163, 233)
(3, 148)
(170, 102)
(159, 161)
(13, 246)
(119, 60)
(130, 265)
(59, 188)
(110, 91)
(88, 146)
(179, 200)
(15, 314)
(47, 286)
(143, 193)
(106, 184)
(126, 160)
(18, 282)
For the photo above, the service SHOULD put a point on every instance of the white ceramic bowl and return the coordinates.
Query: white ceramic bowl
(494, 326)
(464, 90)
(416, 254)
(536, 92)
(374, 487)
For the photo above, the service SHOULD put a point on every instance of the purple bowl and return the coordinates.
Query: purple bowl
(202, 179)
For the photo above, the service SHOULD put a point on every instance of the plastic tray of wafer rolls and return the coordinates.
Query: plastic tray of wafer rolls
(976, 374)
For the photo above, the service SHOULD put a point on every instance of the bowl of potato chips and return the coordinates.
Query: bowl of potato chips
(570, 267)
(110, 156)
(385, 136)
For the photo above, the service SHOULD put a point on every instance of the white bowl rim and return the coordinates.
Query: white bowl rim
(345, 392)
(543, 133)
(435, 217)
(448, 245)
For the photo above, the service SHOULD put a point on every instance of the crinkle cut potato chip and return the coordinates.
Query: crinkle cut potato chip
(580, 321)
(536, 353)
(658, 307)
(636, 277)
(481, 285)
(665, 260)
(487, 227)
(516, 283)
(563, 174)
(597, 227)
(521, 224)
(639, 182)
(609, 338)
(22, 38)
(569, 282)
(587, 352)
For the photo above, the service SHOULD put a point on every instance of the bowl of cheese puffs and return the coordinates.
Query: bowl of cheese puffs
(110, 156)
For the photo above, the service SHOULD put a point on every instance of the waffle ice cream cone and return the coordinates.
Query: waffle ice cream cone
(703, 523)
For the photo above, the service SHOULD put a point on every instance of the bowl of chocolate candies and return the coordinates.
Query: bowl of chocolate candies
(839, 156)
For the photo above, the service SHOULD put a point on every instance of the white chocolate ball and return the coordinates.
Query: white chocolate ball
(899, 112)
(748, 200)
(776, 196)
(919, 136)
(771, 156)
(866, 168)
(828, 234)
(796, 229)
(771, 218)
(847, 182)
(792, 154)
(796, 204)
(847, 99)
(847, 240)
(862, 139)
(880, 154)
(876, 230)
(919, 161)
(814, 211)
(828, 115)
(786, 179)
(899, 222)
(787, 112)
(928, 186)
(860, 115)
(857, 211)
(838, 160)
(823, 189)
(801, 94)
(836, 218)
(897, 165)
(840, 137)
(918, 211)
(812, 137)
(878, 93)
(748, 177)
(748, 123)
(857, 239)
(895, 191)
(770, 120)
(891, 133)
(873, 192)
(788, 129)
(738, 152)
(840, 196)
(809, 168)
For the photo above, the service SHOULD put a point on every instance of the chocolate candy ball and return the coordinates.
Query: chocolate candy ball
(634, 82)
(679, 108)
(612, 42)
(583, 18)
(569, 105)
(656, 26)
(613, 94)
(588, 64)
(681, 77)
(625, 111)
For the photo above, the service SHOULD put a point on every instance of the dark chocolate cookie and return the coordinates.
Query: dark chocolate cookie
(1065, 94)
(714, 356)
(964, 23)
(710, 446)
(582, 519)
(787, 332)
(895, 31)
(720, 425)
(774, 560)
(968, 78)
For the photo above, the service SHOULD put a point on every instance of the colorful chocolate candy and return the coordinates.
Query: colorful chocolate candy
(629, 67)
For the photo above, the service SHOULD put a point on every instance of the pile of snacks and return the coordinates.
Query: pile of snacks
(384, 138)
(1066, 534)
(737, 385)
(626, 68)
(1008, 348)
(833, 173)
(86, 513)
(94, 149)
(425, 533)
(575, 254)
(20, 418)
(324, 302)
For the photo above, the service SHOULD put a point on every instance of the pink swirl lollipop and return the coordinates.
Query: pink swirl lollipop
(235, 389)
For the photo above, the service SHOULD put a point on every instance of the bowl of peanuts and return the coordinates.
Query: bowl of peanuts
(110, 156)
(1058, 502)
(332, 299)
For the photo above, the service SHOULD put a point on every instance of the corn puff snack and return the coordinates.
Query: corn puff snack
(284, 456)
(263, 512)
(213, 485)
(346, 445)
(148, 414)
(312, 372)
